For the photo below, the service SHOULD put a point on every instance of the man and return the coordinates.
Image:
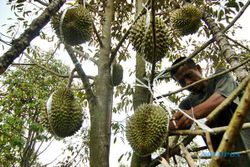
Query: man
(203, 99)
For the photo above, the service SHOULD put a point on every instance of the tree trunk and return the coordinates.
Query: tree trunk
(101, 108)
(140, 96)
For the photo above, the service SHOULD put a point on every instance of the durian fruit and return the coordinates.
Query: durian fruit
(142, 39)
(146, 129)
(186, 20)
(117, 74)
(45, 122)
(76, 26)
(64, 113)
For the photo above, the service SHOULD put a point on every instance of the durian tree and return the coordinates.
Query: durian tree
(156, 30)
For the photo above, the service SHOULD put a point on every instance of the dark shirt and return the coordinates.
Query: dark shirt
(223, 85)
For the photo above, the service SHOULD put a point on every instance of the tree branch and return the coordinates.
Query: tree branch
(70, 78)
(172, 151)
(85, 55)
(20, 44)
(81, 73)
(234, 41)
(202, 132)
(198, 50)
(243, 9)
(41, 2)
(41, 66)
(97, 35)
(187, 156)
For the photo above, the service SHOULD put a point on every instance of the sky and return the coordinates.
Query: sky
(120, 147)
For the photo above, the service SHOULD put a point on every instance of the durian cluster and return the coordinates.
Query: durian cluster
(146, 129)
(76, 25)
(117, 74)
(186, 20)
(142, 39)
(63, 116)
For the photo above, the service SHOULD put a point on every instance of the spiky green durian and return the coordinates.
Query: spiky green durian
(45, 122)
(64, 113)
(117, 74)
(76, 25)
(146, 129)
(142, 39)
(186, 20)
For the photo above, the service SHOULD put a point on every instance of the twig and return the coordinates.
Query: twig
(85, 55)
(187, 156)
(41, 2)
(172, 151)
(97, 35)
(194, 156)
(234, 127)
(213, 115)
(202, 132)
(243, 9)
(206, 79)
(71, 78)
(246, 48)
(197, 149)
(53, 53)
(198, 50)
(43, 67)
(209, 142)
(6, 43)
(23, 64)
(3, 94)
(45, 148)
(244, 152)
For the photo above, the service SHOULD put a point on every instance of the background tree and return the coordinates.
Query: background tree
(25, 90)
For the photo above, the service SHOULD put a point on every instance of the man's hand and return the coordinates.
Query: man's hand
(181, 121)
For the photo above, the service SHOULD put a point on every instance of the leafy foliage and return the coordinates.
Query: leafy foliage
(26, 91)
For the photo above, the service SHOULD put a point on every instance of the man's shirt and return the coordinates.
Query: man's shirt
(223, 85)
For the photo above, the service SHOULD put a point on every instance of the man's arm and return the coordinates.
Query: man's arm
(199, 111)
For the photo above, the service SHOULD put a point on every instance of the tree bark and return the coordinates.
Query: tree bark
(101, 109)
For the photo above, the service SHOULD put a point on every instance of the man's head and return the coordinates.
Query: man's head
(187, 73)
